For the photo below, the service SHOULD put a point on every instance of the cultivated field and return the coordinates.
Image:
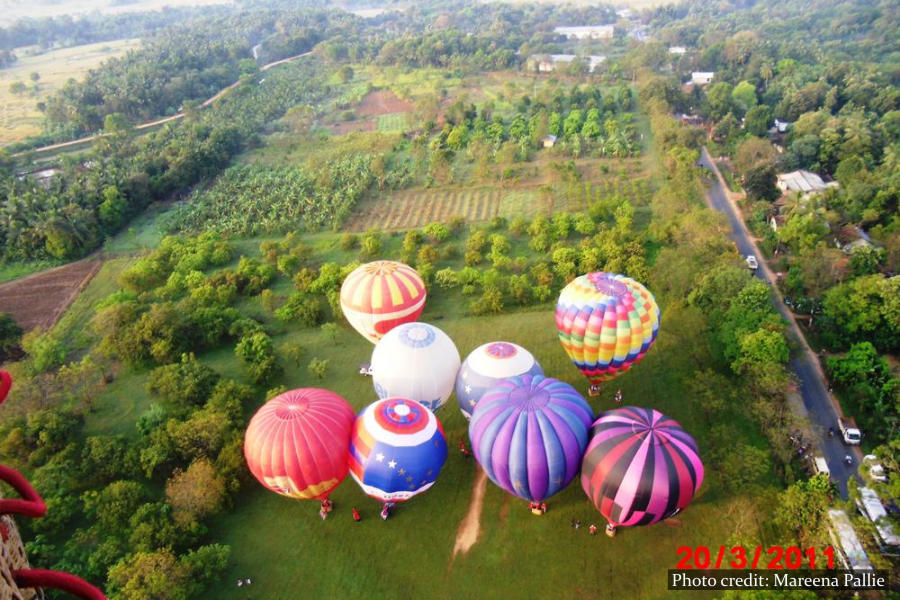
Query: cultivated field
(406, 210)
(19, 116)
(379, 110)
(39, 300)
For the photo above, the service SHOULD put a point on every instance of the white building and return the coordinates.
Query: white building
(870, 505)
(702, 77)
(547, 63)
(677, 50)
(588, 32)
(802, 181)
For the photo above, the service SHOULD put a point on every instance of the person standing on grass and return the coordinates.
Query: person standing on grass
(592, 529)
(356, 516)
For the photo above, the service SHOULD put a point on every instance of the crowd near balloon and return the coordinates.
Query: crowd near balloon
(532, 434)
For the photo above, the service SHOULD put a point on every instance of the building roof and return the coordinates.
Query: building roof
(849, 543)
(802, 181)
(702, 76)
(677, 50)
(874, 510)
(586, 31)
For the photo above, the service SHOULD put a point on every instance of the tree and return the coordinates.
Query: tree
(370, 245)
(757, 120)
(318, 368)
(718, 95)
(150, 576)
(10, 334)
(752, 152)
(744, 97)
(17, 87)
(864, 309)
(759, 183)
(800, 512)
(183, 384)
(44, 351)
(345, 74)
(258, 353)
(195, 493)
(331, 331)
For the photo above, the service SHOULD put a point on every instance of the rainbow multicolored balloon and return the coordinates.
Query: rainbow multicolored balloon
(640, 466)
(606, 323)
(297, 443)
(416, 361)
(378, 296)
(528, 433)
(486, 366)
(397, 449)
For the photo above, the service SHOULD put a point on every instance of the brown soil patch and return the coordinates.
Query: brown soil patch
(417, 208)
(382, 102)
(346, 127)
(41, 299)
(470, 526)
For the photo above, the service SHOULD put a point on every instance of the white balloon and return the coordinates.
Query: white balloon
(416, 361)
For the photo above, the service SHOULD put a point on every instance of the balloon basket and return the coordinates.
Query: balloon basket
(537, 511)
(594, 390)
(610, 531)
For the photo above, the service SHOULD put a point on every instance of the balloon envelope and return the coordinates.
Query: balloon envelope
(397, 449)
(488, 365)
(378, 296)
(5, 385)
(606, 323)
(528, 434)
(297, 443)
(640, 466)
(416, 361)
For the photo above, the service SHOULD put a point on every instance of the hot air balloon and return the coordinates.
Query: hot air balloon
(378, 296)
(487, 366)
(397, 450)
(528, 433)
(297, 443)
(640, 467)
(606, 323)
(5, 385)
(416, 361)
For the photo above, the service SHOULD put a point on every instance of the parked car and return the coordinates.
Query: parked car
(752, 263)
(876, 471)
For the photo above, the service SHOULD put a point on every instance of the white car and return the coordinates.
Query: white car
(876, 471)
(752, 262)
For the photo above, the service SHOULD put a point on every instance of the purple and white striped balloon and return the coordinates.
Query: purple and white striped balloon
(529, 433)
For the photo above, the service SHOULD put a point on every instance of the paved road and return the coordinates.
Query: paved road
(822, 411)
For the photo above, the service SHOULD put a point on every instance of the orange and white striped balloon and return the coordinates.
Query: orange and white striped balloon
(378, 296)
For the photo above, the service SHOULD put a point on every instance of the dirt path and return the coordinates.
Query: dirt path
(470, 526)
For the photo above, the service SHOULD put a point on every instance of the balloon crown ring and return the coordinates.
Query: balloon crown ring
(607, 285)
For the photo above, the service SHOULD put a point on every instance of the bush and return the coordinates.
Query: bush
(10, 334)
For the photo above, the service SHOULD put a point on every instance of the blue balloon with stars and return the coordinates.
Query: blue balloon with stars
(397, 449)
(488, 365)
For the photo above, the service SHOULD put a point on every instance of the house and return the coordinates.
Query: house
(781, 126)
(549, 141)
(547, 63)
(802, 181)
(589, 32)
(871, 507)
(702, 77)
(852, 554)
(686, 119)
(677, 50)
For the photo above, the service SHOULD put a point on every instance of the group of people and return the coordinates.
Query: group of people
(327, 507)
(591, 528)
(243, 582)
(537, 508)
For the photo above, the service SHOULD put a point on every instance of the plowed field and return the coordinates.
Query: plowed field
(40, 299)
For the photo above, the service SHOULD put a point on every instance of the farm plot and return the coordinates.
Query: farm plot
(39, 300)
(417, 208)
(393, 122)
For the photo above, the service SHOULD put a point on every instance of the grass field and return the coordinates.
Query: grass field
(19, 116)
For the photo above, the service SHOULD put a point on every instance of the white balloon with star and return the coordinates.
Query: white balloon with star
(486, 366)
(416, 361)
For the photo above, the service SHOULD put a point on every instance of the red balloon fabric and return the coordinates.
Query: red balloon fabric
(5, 385)
(297, 444)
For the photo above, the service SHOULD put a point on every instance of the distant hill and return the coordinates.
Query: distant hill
(13, 10)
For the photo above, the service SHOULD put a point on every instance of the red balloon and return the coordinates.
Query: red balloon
(5, 385)
(297, 444)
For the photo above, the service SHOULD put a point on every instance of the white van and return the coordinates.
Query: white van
(820, 466)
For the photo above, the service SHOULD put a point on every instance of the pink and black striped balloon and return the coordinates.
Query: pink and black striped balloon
(640, 466)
